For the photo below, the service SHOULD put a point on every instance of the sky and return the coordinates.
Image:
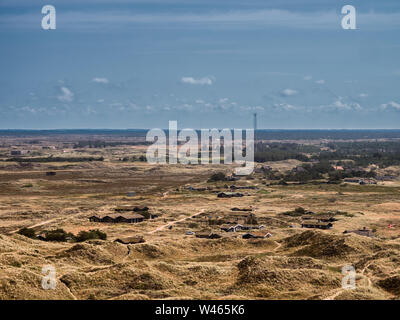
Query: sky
(206, 63)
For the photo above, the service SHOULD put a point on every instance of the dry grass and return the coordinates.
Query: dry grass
(293, 264)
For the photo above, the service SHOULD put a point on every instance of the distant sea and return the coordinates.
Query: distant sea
(265, 134)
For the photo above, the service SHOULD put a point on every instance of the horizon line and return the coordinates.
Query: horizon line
(126, 129)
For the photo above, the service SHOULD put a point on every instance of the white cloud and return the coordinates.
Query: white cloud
(320, 81)
(223, 100)
(28, 109)
(66, 96)
(286, 106)
(132, 106)
(391, 104)
(363, 95)
(115, 105)
(339, 104)
(288, 92)
(202, 81)
(199, 101)
(307, 78)
(252, 108)
(100, 80)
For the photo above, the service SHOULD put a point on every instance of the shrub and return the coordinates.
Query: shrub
(16, 264)
(300, 210)
(251, 220)
(219, 176)
(145, 214)
(27, 232)
(296, 212)
(58, 235)
(91, 235)
(193, 225)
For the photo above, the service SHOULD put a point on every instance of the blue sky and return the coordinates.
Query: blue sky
(138, 64)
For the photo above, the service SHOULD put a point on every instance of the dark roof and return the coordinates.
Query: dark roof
(207, 235)
(361, 232)
(315, 223)
(199, 234)
(130, 240)
(257, 234)
(230, 194)
(123, 215)
(131, 208)
(262, 234)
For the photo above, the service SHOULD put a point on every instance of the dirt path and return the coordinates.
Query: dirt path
(340, 290)
(279, 245)
(362, 273)
(69, 290)
(333, 296)
(50, 221)
(176, 221)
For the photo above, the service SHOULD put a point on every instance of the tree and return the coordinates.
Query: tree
(27, 232)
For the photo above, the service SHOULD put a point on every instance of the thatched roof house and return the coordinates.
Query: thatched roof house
(118, 217)
(316, 224)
